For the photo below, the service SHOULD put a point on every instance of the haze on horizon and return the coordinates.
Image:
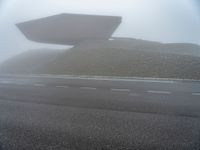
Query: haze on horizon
(156, 20)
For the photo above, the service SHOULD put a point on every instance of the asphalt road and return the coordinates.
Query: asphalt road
(52, 112)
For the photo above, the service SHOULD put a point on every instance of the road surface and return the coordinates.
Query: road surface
(55, 112)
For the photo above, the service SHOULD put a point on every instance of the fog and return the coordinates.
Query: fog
(156, 20)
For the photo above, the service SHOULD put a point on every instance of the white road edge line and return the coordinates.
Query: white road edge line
(106, 78)
(159, 92)
(121, 90)
(88, 88)
(13, 83)
(196, 94)
(6, 82)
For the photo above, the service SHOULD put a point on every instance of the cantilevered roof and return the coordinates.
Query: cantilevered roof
(69, 29)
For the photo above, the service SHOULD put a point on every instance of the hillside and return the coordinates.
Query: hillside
(119, 57)
(142, 45)
(30, 61)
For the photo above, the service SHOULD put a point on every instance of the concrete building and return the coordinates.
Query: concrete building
(70, 29)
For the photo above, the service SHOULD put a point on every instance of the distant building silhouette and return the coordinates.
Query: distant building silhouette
(70, 29)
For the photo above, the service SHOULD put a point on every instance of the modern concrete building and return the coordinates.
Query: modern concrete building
(70, 29)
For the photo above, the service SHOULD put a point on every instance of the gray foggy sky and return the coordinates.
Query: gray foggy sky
(157, 20)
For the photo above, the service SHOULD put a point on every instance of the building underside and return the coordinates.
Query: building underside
(70, 29)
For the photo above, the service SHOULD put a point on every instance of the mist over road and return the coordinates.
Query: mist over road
(66, 112)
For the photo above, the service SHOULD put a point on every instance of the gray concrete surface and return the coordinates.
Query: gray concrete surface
(70, 29)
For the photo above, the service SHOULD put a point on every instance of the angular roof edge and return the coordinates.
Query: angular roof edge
(69, 29)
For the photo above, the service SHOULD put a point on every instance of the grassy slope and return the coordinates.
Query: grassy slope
(119, 62)
(30, 61)
(118, 58)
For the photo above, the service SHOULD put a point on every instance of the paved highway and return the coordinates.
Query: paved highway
(66, 112)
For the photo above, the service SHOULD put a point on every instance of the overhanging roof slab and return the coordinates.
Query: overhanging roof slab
(69, 29)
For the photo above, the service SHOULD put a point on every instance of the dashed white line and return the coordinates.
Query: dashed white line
(39, 85)
(88, 88)
(64, 86)
(120, 90)
(159, 92)
(196, 94)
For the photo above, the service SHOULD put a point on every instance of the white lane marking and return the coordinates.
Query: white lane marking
(159, 92)
(104, 78)
(64, 86)
(120, 90)
(196, 94)
(40, 85)
(88, 88)
(154, 81)
(13, 83)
